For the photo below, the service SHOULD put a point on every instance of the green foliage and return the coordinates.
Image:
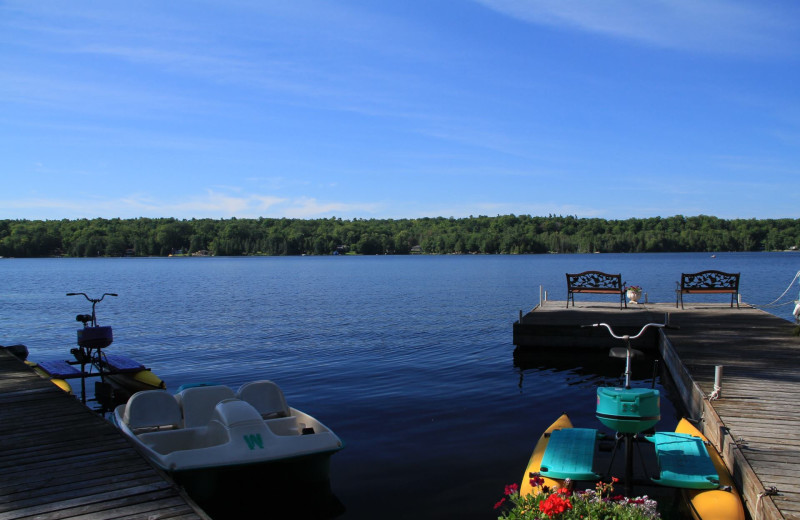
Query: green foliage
(506, 234)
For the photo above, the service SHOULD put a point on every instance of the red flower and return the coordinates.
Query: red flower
(536, 480)
(500, 503)
(511, 489)
(554, 505)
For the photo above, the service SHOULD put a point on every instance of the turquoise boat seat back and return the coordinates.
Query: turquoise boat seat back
(60, 369)
(198, 403)
(152, 410)
(683, 461)
(123, 363)
(266, 397)
(570, 454)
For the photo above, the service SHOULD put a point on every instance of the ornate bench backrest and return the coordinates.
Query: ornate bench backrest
(710, 280)
(595, 280)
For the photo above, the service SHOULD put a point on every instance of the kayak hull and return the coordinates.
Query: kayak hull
(714, 504)
(535, 462)
(60, 383)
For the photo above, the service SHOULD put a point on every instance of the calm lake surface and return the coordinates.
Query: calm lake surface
(408, 359)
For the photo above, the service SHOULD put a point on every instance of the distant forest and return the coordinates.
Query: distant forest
(506, 234)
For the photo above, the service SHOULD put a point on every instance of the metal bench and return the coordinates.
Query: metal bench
(708, 282)
(595, 282)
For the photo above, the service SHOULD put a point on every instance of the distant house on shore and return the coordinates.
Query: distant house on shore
(416, 250)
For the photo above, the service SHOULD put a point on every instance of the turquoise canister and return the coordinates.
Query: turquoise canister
(95, 337)
(628, 410)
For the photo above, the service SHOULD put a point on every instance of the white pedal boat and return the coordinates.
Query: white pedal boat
(215, 441)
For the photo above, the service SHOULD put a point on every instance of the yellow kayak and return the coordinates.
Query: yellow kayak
(149, 380)
(128, 376)
(535, 463)
(61, 383)
(137, 381)
(712, 504)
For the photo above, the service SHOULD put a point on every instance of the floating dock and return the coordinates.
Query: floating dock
(753, 420)
(58, 459)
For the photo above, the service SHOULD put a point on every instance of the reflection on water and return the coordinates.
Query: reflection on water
(588, 366)
(276, 498)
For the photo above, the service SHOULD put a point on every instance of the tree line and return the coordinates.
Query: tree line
(503, 234)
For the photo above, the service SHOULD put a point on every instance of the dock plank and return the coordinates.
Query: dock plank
(24, 490)
(60, 460)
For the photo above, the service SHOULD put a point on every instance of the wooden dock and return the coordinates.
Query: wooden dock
(755, 421)
(59, 460)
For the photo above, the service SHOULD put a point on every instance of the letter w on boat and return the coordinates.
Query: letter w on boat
(253, 441)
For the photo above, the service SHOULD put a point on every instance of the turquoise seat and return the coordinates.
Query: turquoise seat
(569, 454)
(59, 369)
(683, 461)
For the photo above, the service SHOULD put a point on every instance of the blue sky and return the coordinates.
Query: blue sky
(387, 109)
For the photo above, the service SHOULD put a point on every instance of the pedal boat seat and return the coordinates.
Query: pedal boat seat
(266, 397)
(152, 410)
(198, 403)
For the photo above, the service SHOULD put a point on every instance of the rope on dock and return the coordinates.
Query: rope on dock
(775, 302)
(768, 492)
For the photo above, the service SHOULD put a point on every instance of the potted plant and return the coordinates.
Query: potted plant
(633, 292)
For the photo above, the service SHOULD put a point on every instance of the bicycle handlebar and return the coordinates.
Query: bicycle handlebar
(93, 300)
(626, 336)
(93, 318)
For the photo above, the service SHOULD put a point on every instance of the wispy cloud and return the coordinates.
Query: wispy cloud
(715, 26)
(216, 203)
(267, 57)
(211, 204)
(311, 208)
(491, 209)
(110, 99)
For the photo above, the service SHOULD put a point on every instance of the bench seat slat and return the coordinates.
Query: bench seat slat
(709, 291)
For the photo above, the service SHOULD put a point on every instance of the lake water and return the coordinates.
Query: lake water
(408, 359)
